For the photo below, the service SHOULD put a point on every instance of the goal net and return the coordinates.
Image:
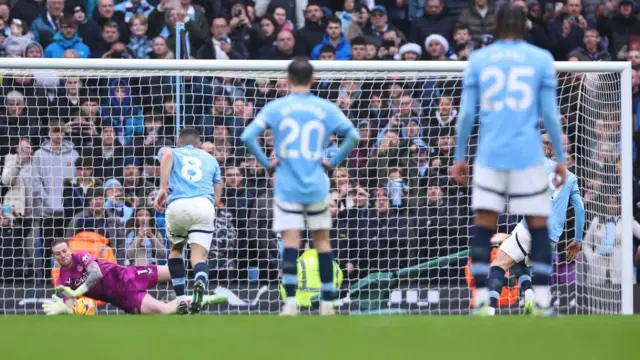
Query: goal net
(78, 150)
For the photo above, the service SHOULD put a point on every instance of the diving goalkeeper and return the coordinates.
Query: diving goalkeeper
(81, 274)
(514, 251)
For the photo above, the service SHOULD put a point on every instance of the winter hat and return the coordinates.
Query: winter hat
(439, 38)
(410, 47)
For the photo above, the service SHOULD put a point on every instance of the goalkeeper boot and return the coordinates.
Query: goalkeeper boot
(538, 311)
(290, 308)
(326, 308)
(198, 297)
(183, 308)
(214, 299)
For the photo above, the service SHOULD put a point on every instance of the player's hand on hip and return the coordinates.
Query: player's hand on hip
(573, 251)
(561, 175)
(327, 166)
(55, 307)
(272, 167)
(158, 204)
(67, 291)
(459, 172)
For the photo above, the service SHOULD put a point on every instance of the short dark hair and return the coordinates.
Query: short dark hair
(95, 193)
(511, 22)
(359, 40)
(59, 241)
(327, 48)
(56, 125)
(460, 27)
(189, 136)
(67, 20)
(111, 24)
(334, 20)
(84, 162)
(300, 71)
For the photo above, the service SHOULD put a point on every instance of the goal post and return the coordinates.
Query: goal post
(411, 262)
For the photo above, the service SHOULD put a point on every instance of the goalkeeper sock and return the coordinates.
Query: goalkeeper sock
(480, 258)
(290, 271)
(521, 272)
(202, 272)
(541, 266)
(178, 275)
(496, 280)
(325, 266)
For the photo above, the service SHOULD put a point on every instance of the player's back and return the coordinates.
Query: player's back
(509, 75)
(193, 174)
(301, 125)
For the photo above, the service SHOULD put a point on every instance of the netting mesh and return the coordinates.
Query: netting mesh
(78, 162)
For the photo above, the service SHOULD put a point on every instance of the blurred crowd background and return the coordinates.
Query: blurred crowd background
(78, 149)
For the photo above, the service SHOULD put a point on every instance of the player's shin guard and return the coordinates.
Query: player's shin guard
(178, 275)
(496, 280)
(325, 265)
(480, 257)
(541, 266)
(521, 271)
(290, 271)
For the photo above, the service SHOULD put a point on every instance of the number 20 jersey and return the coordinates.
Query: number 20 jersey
(509, 76)
(193, 174)
(301, 125)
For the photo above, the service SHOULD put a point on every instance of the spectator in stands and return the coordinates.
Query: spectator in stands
(438, 48)
(335, 38)
(390, 45)
(75, 189)
(115, 204)
(237, 198)
(18, 39)
(341, 186)
(160, 50)
(26, 10)
(110, 41)
(312, 32)
(105, 13)
(107, 156)
(619, 27)
(409, 52)
(435, 20)
(46, 25)
(441, 120)
(592, 49)
(265, 38)
(88, 30)
(380, 24)
(220, 46)
(52, 163)
(223, 255)
(358, 48)
(241, 28)
(66, 105)
(194, 36)
(260, 217)
(121, 113)
(359, 21)
(287, 13)
(462, 39)
(12, 258)
(16, 123)
(133, 184)
(284, 49)
(131, 8)
(633, 57)
(94, 218)
(479, 18)
(567, 30)
(139, 44)
(66, 38)
(144, 244)
(16, 178)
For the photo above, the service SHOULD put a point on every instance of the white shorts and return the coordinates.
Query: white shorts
(518, 244)
(191, 220)
(526, 191)
(290, 216)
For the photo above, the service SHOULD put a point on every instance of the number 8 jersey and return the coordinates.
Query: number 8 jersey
(193, 174)
(301, 125)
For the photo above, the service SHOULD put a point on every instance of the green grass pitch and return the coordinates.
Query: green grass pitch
(309, 338)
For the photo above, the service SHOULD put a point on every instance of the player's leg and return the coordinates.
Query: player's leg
(288, 220)
(523, 274)
(200, 238)
(319, 222)
(163, 274)
(153, 306)
(488, 199)
(530, 197)
(177, 226)
(178, 274)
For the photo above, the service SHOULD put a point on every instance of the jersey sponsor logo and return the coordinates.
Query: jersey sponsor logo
(79, 281)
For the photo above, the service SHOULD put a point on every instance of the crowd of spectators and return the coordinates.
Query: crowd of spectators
(78, 149)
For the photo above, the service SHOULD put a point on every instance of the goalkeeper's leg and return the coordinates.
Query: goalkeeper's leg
(151, 305)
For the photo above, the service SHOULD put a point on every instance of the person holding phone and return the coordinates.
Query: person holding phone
(567, 30)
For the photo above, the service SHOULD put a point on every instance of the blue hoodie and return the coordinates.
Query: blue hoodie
(126, 119)
(61, 44)
(343, 49)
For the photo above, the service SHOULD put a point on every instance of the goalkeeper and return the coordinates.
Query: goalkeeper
(514, 251)
(126, 287)
(309, 283)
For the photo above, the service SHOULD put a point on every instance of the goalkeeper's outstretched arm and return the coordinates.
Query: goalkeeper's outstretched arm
(94, 274)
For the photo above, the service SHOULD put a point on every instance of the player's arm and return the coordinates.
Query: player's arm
(351, 136)
(578, 208)
(94, 274)
(467, 116)
(250, 138)
(217, 185)
(549, 109)
(166, 162)
(58, 306)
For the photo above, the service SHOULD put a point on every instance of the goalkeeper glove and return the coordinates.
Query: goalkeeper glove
(70, 293)
(56, 307)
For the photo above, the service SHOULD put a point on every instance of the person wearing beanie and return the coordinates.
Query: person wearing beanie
(438, 48)
(409, 52)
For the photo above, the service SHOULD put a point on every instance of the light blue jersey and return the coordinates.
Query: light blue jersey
(560, 199)
(301, 125)
(193, 174)
(514, 84)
